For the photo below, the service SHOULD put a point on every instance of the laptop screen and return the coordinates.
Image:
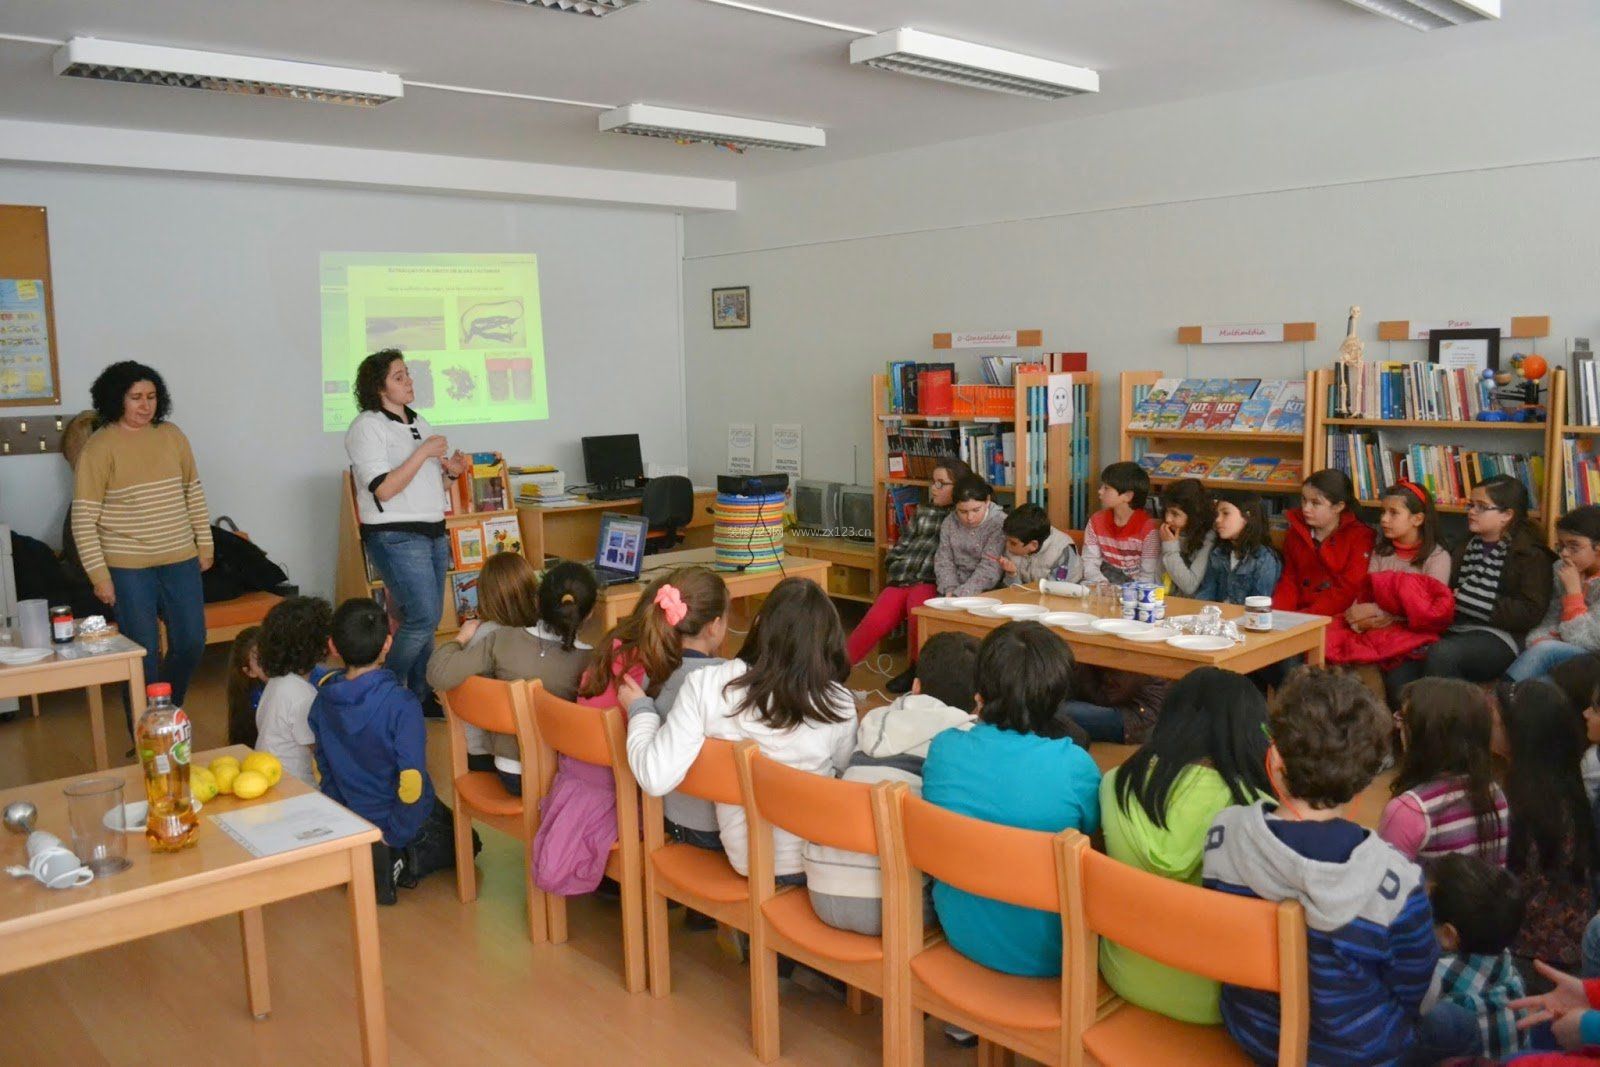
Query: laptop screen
(621, 544)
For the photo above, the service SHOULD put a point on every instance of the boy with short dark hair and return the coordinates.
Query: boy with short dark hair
(1036, 550)
(846, 887)
(1477, 912)
(1370, 938)
(1122, 542)
(371, 752)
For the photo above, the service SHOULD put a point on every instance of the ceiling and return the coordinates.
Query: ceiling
(692, 54)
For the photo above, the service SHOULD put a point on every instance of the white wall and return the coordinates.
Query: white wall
(214, 283)
(1462, 188)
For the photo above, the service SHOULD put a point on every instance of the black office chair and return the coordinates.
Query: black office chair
(668, 506)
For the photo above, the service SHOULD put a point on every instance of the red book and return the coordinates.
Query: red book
(1198, 416)
(936, 391)
(1223, 412)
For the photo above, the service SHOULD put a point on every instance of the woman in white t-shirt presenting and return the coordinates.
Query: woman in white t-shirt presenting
(400, 467)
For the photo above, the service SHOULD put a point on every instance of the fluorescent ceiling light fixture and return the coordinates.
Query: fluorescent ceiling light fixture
(145, 64)
(1432, 14)
(648, 120)
(947, 59)
(580, 7)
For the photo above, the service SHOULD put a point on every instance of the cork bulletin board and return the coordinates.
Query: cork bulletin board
(29, 372)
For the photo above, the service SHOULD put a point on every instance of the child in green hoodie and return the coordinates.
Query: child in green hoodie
(1208, 751)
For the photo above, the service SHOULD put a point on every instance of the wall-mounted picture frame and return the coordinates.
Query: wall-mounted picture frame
(730, 308)
(1473, 351)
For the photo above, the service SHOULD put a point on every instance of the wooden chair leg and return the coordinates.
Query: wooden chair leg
(993, 1055)
(538, 906)
(763, 995)
(657, 951)
(902, 1032)
(857, 1000)
(466, 872)
(555, 914)
(633, 947)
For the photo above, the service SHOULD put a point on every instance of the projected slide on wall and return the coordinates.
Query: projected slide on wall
(468, 324)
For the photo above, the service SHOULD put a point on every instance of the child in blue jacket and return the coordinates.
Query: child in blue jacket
(1242, 562)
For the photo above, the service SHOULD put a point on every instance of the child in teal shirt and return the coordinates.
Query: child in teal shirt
(1015, 767)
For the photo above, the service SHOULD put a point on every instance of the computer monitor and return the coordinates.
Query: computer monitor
(612, 459)
(621, 543)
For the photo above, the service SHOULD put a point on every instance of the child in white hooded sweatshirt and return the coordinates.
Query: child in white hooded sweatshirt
(846, 888)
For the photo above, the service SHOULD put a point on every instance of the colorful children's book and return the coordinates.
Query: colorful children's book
(464, 591)
(1144, 414)
(1229, 468)
(501, 534)
(466, 545)
(1198, 416)
(1151, 461)
(1259, 469)
(1162, 391)
(1289, 472)
(1173, 465)
(1223, 413)
(1240, 389)
(1214, 389)
(1254, 411)
(1199, 466)
(1188, 390)
(1288, 414)
(1171, 416)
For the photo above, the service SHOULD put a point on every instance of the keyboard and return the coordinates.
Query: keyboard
(616, 494)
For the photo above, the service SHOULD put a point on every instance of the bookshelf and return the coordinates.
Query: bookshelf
(1574, 439)
(1284, 447)
(351, 578)
(1063, 476)
(1524, 438)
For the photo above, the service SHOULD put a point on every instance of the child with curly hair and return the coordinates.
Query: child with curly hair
(293, 638)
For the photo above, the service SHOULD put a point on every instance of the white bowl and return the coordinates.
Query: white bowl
(135, 814)
(1069, 620)
(1120, 627)
(1021, 611)
(1200, 642)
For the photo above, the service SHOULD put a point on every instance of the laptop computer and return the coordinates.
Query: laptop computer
(619, 552)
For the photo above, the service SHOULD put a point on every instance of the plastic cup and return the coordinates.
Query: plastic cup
(101, 848)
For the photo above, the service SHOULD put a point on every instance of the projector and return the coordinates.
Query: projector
(752, 484)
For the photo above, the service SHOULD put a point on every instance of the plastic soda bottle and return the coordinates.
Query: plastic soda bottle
(163, 738)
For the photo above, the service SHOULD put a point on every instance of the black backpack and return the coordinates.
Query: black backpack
(241, 566)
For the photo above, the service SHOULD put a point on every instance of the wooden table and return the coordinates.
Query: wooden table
(573, 532)
(163, 892)
(617, 600)
(89, 674)
(1161, 660)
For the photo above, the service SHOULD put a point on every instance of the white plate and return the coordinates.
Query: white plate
(1121, 627)
(135, 814)
(1021, 611)
(17, 657)
(1068, 620)
(942, 603)
(1200, 642)
(967, 603)
(987, 611)
(1150, 636)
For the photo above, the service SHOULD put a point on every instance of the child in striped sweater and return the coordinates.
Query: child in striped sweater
(1122, 543)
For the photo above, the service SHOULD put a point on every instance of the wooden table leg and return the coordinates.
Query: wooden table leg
(97, 727)
(1317, 654)
(369, 969)
(253, 930)
(136, 688)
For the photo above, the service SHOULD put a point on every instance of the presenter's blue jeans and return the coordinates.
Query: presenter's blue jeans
(1540, 659)
(147, 596)
(413, 567)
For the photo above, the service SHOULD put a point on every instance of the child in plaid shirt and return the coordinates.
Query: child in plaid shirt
(909, 571)
(1477, 910)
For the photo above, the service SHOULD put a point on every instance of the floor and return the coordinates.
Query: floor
(463, 983)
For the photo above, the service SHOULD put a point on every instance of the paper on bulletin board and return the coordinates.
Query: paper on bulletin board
(786, 441)
(25, 371)
(1059, 393)
(741, 448)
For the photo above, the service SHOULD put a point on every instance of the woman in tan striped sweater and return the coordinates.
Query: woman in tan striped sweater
(139, 519)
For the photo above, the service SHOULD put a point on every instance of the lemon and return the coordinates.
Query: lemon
(250, 784)
(225, 774)
(223, 759)
(202, 784)
(266, 764)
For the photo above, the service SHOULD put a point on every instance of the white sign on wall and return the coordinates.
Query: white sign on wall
(786, 441)
(1059, 395)
(1241, 333)
(741, 448)
(1421, 330)
(984, 339)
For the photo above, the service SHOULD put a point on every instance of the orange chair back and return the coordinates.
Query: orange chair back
(713, 776)
(573, 730)
(486, 703)
(1228, 938)
(824, 811)
(986, 859)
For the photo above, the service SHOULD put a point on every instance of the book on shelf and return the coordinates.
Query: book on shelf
(466, 547)
(1581, 473)
(1065, 362)
(1223, 413)
(1229, 468)
(1174, 463)
(901, 501)
(488, 482)
(1162, 390)
(464, 592)
(988, 450)
(1188, 390)
(1259, 469)
(1583, 386)
(1214, 389)
(1171, 415)
(1415, 390)
(1240, 390)
(502, 533)
(1255, 408)
(1287, 472)
(914, 451)
(1151, 461)
(921, 388)
(1145, 413)
(1448, 472)
(1198, 417)
(1199, 467)
(1288, 414)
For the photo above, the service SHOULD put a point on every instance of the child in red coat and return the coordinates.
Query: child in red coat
(1326, 551)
